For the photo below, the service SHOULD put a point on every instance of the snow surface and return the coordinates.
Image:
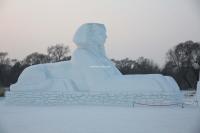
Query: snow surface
(198, 93)
(98, 119)
(90, 78)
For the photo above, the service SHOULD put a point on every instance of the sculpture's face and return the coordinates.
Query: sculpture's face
(99, 35)
(90, 34)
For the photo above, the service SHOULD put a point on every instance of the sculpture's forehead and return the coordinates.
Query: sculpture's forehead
(88, 33)
(92, 27)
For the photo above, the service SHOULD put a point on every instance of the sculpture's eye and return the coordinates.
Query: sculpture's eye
(101, 33)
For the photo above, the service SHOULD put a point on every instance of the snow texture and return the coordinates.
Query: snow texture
(198, 93)
(90, 78)
(97, 119)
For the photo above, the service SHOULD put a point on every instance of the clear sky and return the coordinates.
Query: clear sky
(135, 27)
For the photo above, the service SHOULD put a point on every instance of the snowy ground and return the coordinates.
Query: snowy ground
(99, 119)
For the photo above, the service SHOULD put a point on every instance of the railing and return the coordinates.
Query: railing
(161, 105)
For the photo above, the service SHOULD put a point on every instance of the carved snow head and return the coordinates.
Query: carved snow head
(90, 34)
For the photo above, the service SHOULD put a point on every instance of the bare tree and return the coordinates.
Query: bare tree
(36, 58)
(146, 66)
(3, 58)
(183, 62)
(140, 66)
(58, 52)
(125, 66)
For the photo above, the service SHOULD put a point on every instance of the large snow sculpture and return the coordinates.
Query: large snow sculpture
(198, 91)
(90, 71)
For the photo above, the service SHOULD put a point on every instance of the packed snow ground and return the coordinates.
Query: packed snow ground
(99, 119)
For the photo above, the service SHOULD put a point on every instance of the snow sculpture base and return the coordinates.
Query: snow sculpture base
(87, 98)
(198, 93)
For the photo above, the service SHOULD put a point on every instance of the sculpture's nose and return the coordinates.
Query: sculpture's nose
(104, 35)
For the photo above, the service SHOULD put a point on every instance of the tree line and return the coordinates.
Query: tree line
(182, 63)
(10, 69)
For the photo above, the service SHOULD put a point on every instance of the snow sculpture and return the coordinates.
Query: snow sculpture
(198, 92)
(90, 71)
(89, 57)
